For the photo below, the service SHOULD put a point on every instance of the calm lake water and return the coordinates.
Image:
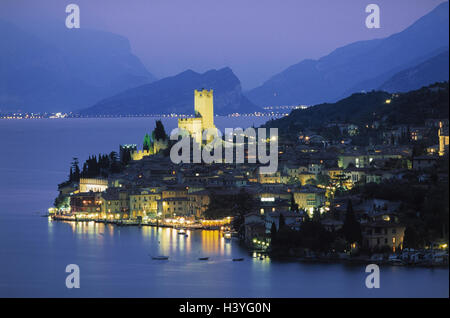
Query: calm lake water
(115, 261)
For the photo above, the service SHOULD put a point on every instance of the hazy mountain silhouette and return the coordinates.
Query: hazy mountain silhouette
(57, 69)
(432, 70)
(176, 95)
(363, 65)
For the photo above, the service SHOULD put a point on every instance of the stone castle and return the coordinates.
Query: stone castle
(204, 115)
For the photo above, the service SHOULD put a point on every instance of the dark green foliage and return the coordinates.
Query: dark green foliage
(101, 166)
(148, 144)
(74, 175)
(294, 206)
(61, 202)
(159, 133)
(273, 232)
(126, 157)
(281, 222)
(351, 227)
(424, 209)
(411, 108)
(312, 235)
(235, 205)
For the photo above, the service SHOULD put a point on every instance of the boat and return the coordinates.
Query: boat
(238, 259)
(181, 232)
(203, 258)
(160, 258)
(227, 235)
(396, 262)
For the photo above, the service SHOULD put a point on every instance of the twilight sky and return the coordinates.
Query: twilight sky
(256, 38)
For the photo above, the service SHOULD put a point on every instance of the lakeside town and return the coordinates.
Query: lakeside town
(350, 188)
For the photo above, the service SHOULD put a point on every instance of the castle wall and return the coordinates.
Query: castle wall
(193, 126)
(138, 155)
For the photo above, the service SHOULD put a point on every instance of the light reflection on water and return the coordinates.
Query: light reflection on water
(159, 241)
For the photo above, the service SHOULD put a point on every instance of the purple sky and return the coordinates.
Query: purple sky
(256, 38)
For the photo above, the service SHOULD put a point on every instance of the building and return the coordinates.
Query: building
(443, 138)
(112, 206)
(198, 202)
(291, 219)
(424, 162)
(204, 115)
(94, 185)
(86, 204)
(269, 177)
(379, 234)
(144, 202)
(139, 154)
(309, 197)
(255, 228)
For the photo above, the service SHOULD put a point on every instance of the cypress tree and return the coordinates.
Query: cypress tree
(351, 227)
(147, 143)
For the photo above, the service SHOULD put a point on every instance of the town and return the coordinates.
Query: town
(367, 180)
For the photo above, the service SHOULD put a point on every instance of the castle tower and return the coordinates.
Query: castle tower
(203, 105)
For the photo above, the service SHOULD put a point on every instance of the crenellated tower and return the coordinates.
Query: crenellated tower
(204, 107)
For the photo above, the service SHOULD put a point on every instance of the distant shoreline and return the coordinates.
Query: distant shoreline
(36, 116)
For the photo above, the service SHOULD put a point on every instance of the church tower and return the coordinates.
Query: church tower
(203, 105)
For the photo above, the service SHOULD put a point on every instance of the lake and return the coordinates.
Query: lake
(116, 261)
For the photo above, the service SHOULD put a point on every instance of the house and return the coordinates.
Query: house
(381, 234)
(424, 162)
(268, 205)
(332, 225)
(254, 228)
(309, 197)
(443, 137)
(291, 219)
(86, 203)
(143, 202)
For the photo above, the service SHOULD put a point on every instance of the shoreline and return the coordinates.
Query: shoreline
(307, 260)
(133, 223)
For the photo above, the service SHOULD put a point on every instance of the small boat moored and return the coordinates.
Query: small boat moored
(238, 259)
(227, 235)
(160, 258)
(203, 258)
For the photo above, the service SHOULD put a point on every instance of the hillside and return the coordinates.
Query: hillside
(411, 108)
(434, 69)
(360, 66)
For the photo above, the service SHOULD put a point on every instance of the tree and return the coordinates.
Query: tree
(316, 215)
(411, 238)
(147, 143)
(273, 233)
(159, 133)
(115, 164)
(351, 227)
(281, 222)
(323, 179)
(294, 206)
(74, 170)
(126, 156)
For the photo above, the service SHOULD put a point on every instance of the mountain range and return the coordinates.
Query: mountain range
(94, 72)
(360, 66)
(57, 69)
(175, 94)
